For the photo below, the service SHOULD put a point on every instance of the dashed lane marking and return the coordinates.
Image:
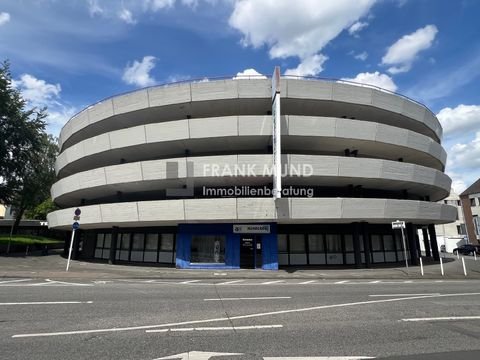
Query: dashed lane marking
(47, 303)
(216, 328)
(444, 318)
(249, 298)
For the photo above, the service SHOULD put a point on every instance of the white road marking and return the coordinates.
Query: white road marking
(13, 281)
(307, 282)
(217, 328)
(389, 295)
(374, 282)
(230, 282)
(445, 318)
(341, 282)
(250, 298)
(189, 281)
(197, 355)
(319, 358)
(272, 282)
(61, 283)
(47, 303)
(249, 316)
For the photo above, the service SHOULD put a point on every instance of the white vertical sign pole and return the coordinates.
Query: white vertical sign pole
(276, 135)
(404, 248)
(70, 250)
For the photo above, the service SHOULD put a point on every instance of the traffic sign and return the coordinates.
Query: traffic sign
(76, 218)
(75, 225)
(78, 212)
(398, 224)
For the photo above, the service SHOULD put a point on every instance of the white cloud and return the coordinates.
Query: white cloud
(375, 79)
(249, 73)
(301, 28)
(138, 73)
(403, 52)
(357, 27)
(362, 56)
(94, 8)
(126, 15)
(309, 66)
(4, 18)
(37, 92)
(461, 119)
(40, 94)
(156, 5)
(466, 155)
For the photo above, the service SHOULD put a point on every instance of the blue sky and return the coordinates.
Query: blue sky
(69, 54)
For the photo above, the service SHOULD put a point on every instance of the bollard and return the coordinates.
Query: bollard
(441, 267)
(464, 268)
(421, 266)
(458, 255)
(475, 255)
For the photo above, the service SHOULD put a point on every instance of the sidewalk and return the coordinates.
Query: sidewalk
(53, 266)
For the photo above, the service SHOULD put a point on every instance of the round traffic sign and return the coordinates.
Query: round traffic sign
(75, 225)
(78, 212)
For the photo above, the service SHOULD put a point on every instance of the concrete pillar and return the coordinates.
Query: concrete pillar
(356, 245)
(113, 245)
(412, 244)
(433, 242)
(366, 245)
(426, 242)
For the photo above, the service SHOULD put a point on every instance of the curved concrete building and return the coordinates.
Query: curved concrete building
(182, 174)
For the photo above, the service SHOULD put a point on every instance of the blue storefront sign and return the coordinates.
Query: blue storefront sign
(227, 246)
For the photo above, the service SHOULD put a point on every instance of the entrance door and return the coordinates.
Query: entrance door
(250, 252)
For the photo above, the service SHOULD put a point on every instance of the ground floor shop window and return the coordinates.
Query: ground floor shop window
(137, 247)
(102, 246)
(207, 249)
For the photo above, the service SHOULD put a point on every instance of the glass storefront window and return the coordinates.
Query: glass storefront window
(108, 240)
(208, 249)
(388, 243)
(315, 243)
(297, 243)
(125, 242)
(166, 243)
(282, 243)
(376, 242)
(137, 243)
(334, 243)
(151, 242)
(99, 241)
(348, 242)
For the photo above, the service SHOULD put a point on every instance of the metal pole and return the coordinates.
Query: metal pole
(70, 250)
(404, 248)
(441, 267)
(421, 265)
(464, 268)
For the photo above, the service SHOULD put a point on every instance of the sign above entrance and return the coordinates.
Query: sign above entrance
(398, 224)
(251, 229)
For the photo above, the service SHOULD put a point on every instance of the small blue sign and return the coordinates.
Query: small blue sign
(75, 225)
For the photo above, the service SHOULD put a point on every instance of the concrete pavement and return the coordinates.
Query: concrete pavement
(53, 266)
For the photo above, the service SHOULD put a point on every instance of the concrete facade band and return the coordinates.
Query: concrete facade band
(160, 175)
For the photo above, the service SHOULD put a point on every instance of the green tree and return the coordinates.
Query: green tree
(38, 177)
(21, 132)
(40, 211)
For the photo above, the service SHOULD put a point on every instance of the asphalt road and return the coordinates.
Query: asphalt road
(150, 319)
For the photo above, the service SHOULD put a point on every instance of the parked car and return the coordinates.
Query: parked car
(467, 249)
